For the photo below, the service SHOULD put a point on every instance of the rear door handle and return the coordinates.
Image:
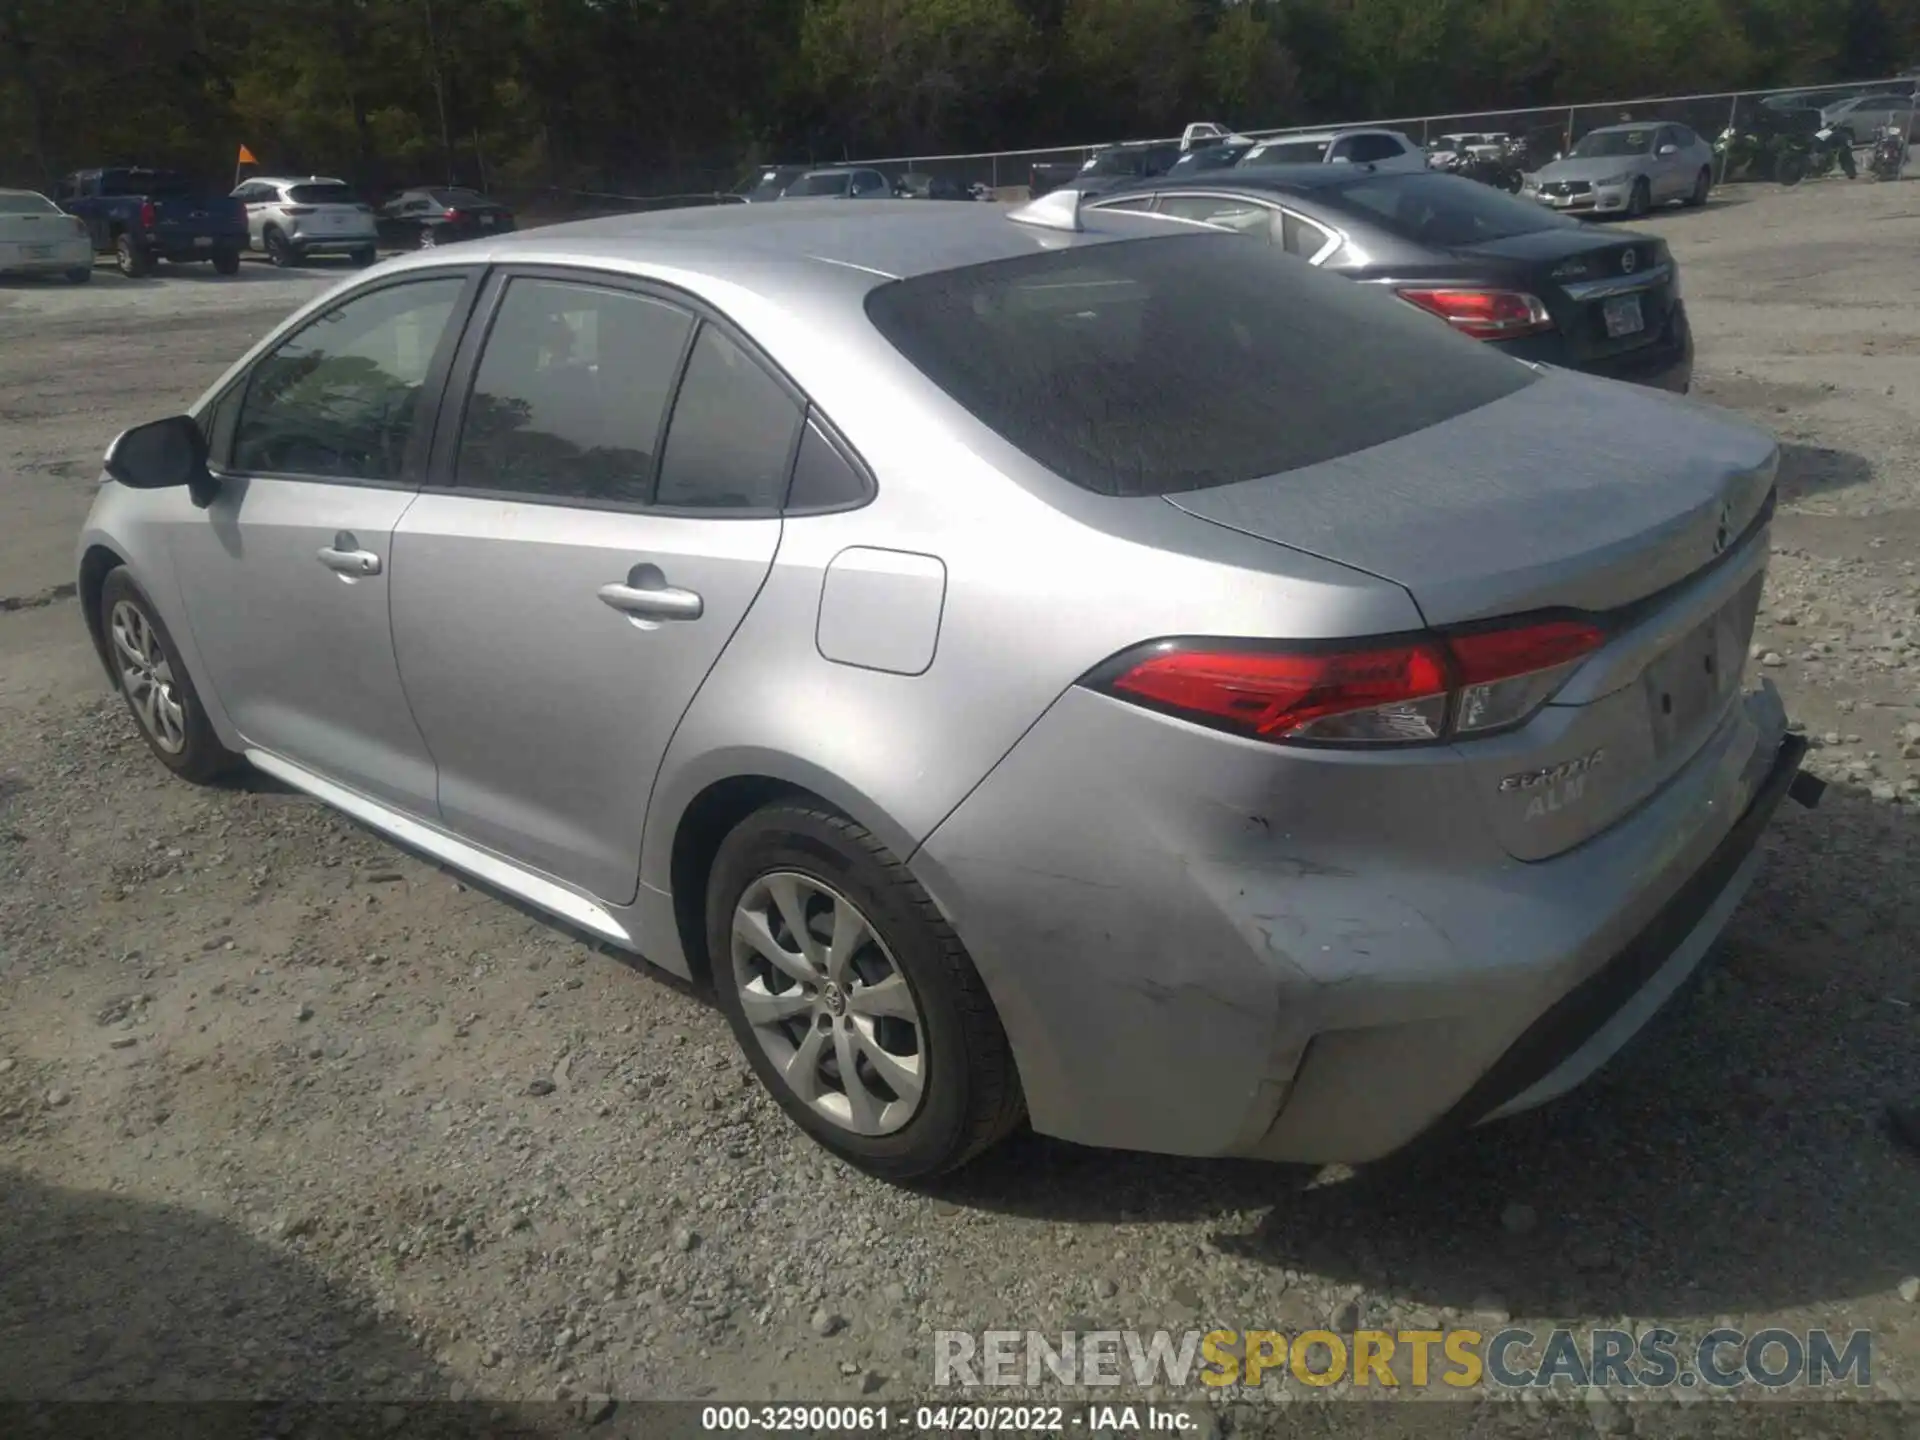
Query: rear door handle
(645, 595)
(345, 557)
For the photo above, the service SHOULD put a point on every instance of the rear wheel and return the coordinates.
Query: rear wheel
(134, 259)
(428, 237)
(80, 274)
(155, 684)
(227, 262)
(364, 256)
(1640, 200)
(1702, 183)
(280, 251)
(1791, 170)
(854, 1001)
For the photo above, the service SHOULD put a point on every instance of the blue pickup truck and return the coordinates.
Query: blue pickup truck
(141, 216)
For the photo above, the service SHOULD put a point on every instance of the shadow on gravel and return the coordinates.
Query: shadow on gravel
(1734, 1158)
(110, 1299)
(1808, 470)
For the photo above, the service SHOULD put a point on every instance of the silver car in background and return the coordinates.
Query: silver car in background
(1626, 170)
(295, 219)
(1087, 667)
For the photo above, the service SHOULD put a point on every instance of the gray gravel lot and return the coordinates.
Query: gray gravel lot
(285, 1111)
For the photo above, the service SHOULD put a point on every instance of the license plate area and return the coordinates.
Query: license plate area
(1686, 688)
(1623, 316)
(203, 241)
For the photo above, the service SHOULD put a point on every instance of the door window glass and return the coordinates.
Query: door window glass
(733, 431)
(1231, 212)
(570, 393)
(340, 398)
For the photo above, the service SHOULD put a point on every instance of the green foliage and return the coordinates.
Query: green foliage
(678, 94)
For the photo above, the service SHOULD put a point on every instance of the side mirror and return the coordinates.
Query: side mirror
(162, 455)
(1669, 149)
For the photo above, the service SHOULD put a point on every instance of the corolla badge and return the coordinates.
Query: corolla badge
(1552, 788)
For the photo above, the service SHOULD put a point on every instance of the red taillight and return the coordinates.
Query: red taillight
(454, 217)
(149, 216)
(1381, 693)
(1484, 314)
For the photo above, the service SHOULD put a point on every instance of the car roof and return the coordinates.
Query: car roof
(840, 170)
(293, 180)
(1287, 177)
(770, 248)
(1629, 125)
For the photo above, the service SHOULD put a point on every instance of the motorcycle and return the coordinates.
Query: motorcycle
(1889, 155)
(1802, 156)
(1496, 170)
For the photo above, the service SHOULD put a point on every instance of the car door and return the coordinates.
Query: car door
(255, 195)
(603, 508)
(1672, 177)
(286, 576)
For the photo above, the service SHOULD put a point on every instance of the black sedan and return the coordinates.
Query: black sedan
(1541, 286)
(421, 219)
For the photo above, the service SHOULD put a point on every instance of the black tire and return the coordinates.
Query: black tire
(226, 262)
(135, 261)
(1702, 184)
(1790, 170)
(280, 252)
(365, 256)
(427, 238)
(1639, 199)
(80, 274)
(200, 756)
(971, 1096)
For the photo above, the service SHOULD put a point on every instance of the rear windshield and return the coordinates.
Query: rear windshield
(23, 202)
(328, 194)
(1149, 367)
(820, 185)
(1443, 210)
(459, 197)
(157, 183)
(1292, 152)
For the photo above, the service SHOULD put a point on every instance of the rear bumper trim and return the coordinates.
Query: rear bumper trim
(1584, 1011)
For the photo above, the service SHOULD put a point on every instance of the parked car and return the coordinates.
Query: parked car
(916, 186)
(770, 183)
(422, 219)
(1857, 119)
(37, 237)
(1538, 286)
(141, 215)
(294, 219)
(842, 183)
(1382, 149)
(1211, 157)
(859, 693)
(1626, 170)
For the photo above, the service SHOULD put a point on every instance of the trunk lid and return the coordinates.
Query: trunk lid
(37, 227)
(185, 217)
(1569, 494)
(1608, 296)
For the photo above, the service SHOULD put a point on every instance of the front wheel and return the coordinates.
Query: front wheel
(1640, 200)
(1791, 170)
(154, 682)
(1702, 183)
(856, 1004)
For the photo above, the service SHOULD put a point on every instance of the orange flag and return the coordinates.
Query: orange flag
(246, 156)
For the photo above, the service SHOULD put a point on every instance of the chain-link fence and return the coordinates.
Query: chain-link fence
(1756, 124)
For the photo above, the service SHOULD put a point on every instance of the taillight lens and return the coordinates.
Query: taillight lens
(454, 217)
(1484, 314)
(1389, 692)
(148, 215)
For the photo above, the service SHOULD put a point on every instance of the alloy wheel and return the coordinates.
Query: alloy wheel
(147, 676)
(828, 1004)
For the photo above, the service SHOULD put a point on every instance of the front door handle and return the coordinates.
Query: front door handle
(346, 557)
(645, 595)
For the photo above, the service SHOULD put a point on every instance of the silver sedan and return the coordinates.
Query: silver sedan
(1088, 668)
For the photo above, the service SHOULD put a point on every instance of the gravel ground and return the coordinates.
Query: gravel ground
(285, 1111)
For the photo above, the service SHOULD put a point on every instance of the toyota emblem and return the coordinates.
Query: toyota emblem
(1627, 261)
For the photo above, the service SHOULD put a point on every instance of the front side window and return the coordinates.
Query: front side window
(570, 393)
(340, 399)
(1290, 152)
(730, 444)
(1150, 367)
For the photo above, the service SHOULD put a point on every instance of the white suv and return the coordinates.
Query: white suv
(1382, 149)
(292, 218)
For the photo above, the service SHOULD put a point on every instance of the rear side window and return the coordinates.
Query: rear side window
(730, 443)
(1291, 152)
(1149, 367)
(1363, 149)
(322, 195)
